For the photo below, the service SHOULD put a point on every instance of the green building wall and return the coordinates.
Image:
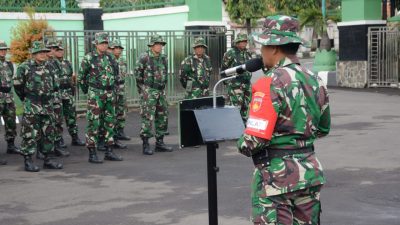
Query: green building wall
(353, 10)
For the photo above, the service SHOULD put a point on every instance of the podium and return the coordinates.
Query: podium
(202, 124)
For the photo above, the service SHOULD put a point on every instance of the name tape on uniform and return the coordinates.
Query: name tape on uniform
(258, 124)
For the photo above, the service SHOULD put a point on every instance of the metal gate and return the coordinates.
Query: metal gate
(383, 57)
(179, 45)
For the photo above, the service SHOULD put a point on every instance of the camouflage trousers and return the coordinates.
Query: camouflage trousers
(37, 132)
(69, 114)
(7, 111)
(58, 119)
(153, 107)
(240, 96)
(120, 111)
(100, 112)
(302, 207)
(197, 92)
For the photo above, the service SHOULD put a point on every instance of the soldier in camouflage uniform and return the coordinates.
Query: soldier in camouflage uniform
(151, 79)
(36, 87)
(289, 110)
(7, 105)
(239, 89)
(121, 99)
(56, 70)
(98, 75)
(196, 71)
(67, 92)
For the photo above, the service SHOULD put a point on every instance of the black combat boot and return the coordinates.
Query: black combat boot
(146, 147)
(11, 148)
(60, 143)
(119, 145)
(110, 155)
(161, 147)
(29, 166)
(120, 135)
(49, 164)
(60, 152)
(93, 156)
(3, 162)
(39, 154)
(76, 141)
(101, 145)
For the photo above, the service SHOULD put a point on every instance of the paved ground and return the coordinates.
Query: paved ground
(361, 159)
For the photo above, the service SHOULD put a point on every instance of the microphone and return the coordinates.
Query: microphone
(251, 66)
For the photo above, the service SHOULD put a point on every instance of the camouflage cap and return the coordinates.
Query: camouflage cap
(38, 46)
(116, 43)
(199, 42)
(51, 43)
(240, 37)
(3, 45)
(60, 44)
(279, 30)
(100, 37)
(156, 39)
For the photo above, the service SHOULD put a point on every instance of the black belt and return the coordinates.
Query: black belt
(65, 86)
(5, 89)
(265, 155)
(104, 88)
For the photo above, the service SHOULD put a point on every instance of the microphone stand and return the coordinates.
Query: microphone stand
(215, 88)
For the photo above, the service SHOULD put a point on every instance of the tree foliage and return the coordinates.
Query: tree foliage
(24, 33)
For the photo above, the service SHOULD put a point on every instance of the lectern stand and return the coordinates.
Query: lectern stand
(201, 124)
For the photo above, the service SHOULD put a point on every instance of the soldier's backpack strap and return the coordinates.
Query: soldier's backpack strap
(11, 66)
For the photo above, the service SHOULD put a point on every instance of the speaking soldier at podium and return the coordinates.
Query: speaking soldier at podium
(289, 110)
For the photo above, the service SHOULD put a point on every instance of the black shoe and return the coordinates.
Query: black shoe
(101, 146)
(49, 164)
(39, 154)
(61, 153)
(76, 141)
(161, 147)
(60, 143)
(29, 166)
(111, 156)
(3, 162)
(93, 156)
(146, 147)
(11, 148)
(119, 145)
(120, 135)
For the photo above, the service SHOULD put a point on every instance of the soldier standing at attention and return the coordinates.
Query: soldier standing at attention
(289, 110)
(97, 78)
(35, 86)
(67, 92)
(121, 99)
(151, 78)
(57, 73)
(196, 71)
(7, 105)
(239, 89)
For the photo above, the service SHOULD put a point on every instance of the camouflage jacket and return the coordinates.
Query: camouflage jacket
(123, 73)
(301, 102)
(234, 57)
(6, 81)
(195, 72)
(67, 85)
(98, 72)
(35, 85)
(151, 72)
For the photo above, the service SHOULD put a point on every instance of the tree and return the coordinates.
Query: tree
(247, 10)
(24, 34)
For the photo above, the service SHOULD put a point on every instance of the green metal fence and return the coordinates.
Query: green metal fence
(179, 45)
(128, 5)
(39, 6)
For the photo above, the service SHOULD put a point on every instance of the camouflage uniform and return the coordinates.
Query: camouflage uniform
(97, 78)
(288, 112)
(36, 87)
(67, 94)
(195, 73)
(121, 98)
(239, 89)
(151, 79)
(7, 105)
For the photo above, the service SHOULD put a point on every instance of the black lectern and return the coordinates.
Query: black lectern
(201, 124)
